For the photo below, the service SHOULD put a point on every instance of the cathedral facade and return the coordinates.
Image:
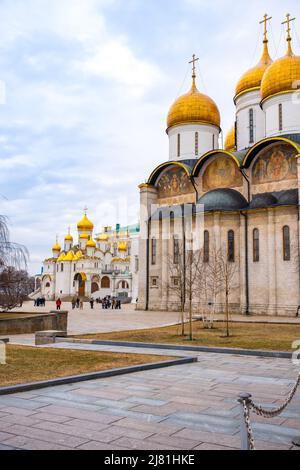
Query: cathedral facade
(249, 190)
(92, 268)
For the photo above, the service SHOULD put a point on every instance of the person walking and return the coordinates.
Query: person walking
(81, 304)
(92, 304)
(73, 303)
(58, 304)
(78, 302)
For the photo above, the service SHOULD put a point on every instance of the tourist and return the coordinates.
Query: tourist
(73, 303)
(58, 304)
(92, 304)
(78, 302)
(81, 304)
(113, 304)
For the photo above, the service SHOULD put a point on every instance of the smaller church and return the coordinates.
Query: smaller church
(92, 267)
(249, 190)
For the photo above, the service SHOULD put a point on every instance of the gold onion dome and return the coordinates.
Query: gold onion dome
(122, 247)
(103, 237)
(56, 247)
(85, 224)
(91, 244)
(83, 236)
(251, 80)
(62, 257)
(283, 74)
(68, 238)
(194, 108)
(230, 144)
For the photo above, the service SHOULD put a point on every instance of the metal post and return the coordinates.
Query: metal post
(245, 443)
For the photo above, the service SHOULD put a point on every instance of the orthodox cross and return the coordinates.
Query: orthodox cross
(193, 61)
(265, 23)
(288, 23)
(85, 210)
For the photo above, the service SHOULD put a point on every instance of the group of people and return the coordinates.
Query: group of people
(40, 302)
(109, 303)
(77, 303)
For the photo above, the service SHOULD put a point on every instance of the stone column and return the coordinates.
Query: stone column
(148, 197)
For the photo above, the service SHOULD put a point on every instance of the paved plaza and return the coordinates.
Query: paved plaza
(182, 407)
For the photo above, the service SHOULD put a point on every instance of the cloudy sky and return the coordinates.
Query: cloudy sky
(86, 87)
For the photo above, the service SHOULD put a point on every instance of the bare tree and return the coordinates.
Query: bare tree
(14, 282)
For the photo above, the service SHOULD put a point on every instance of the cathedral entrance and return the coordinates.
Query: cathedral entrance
(80, 279)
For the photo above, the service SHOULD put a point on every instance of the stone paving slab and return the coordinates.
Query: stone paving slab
(191, 406)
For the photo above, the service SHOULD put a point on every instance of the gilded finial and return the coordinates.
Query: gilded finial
(193, 61)
(289, 37)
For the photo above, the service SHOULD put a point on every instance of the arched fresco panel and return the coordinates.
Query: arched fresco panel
(222, 173)
(275, 164)
(174, 182)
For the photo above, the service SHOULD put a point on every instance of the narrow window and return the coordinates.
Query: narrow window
(286, 244)
(251, 126)
(61, 267)
(172, 223)
(280, 117)
(206, 246)
(231, 246)
(176, 250)
(255, 245)
(213, 141)
(153, 251)
(197, 143)
(178, 145)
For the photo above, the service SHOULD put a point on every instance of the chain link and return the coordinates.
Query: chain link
(259, 410)
(249, 405)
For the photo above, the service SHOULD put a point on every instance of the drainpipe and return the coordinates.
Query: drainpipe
(245, 215)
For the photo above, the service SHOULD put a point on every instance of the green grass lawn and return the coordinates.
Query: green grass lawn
(264, 336)
(29, 364)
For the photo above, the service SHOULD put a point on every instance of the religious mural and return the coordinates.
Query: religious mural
(175, 182)
(275, 164)
(222, 173)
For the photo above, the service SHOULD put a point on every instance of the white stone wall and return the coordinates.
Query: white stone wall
(290, 114)
(187, 140)
(244, 103)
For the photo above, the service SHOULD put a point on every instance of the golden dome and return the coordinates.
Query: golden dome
(56, 247)
(194, 107)
(78, 256)
(103, 237)
(251, 80)
(230, 144)
(91, 244)
(68, 238)
(122, 247)
(281, 76)
(85, 224)
(83, 236)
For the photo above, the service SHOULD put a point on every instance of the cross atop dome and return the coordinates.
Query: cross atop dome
(193, 61)
(289, 37)
(265, 23)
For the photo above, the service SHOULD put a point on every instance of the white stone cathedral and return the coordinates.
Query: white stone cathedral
(88, 268)
(249, 189)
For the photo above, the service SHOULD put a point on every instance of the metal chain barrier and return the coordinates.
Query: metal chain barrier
(247, 440)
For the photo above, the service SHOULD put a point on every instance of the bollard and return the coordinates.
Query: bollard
(245, 444)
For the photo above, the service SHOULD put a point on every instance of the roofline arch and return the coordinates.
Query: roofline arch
(155, 174)
(251, 154)
(207, 155)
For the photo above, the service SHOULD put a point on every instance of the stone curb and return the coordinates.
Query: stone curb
(95, 375)
(172, 347)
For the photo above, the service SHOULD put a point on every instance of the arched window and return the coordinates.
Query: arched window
(286, 243)
(206, 246)
(231, 246)
(153, 251)
(280, 117)
(196, 143)
(255, 245)
(178, 145)
(48, 284)
(176, 250)
(251, 126)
